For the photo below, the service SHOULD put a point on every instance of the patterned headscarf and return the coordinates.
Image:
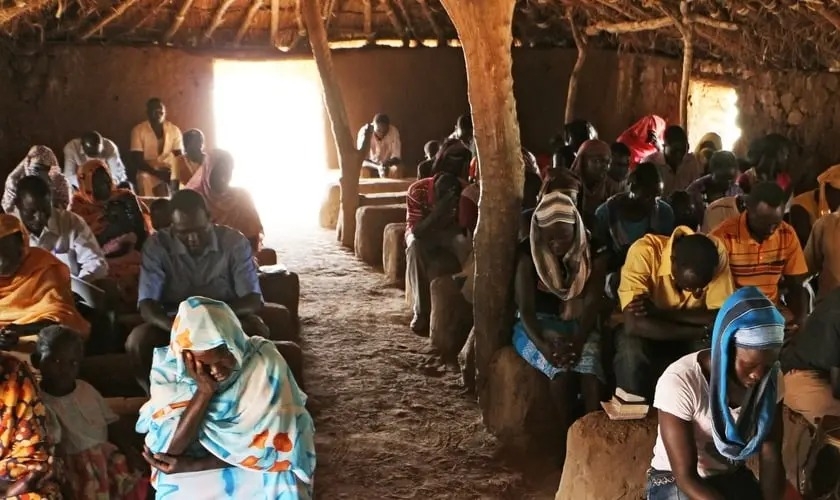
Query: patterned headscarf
(256, 419)
(565, 277)
(748, 320)
(38, 156)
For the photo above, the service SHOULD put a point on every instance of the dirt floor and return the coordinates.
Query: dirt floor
(386, 428)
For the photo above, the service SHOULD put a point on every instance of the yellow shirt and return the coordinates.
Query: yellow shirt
(647, 271)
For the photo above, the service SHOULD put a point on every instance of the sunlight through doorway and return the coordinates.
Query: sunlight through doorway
(713, 108)
(269, 115)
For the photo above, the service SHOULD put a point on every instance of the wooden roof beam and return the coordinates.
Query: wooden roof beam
(368, 22)
(147, 17)
(430, 17)
(218, 17)
(246, 22)
(105, 21)
(395, 21)
(408, 22)
(829, 15)
(655, 24)
(21, 8)
(179, 20)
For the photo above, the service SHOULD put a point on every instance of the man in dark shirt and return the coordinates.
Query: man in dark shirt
(811, 362)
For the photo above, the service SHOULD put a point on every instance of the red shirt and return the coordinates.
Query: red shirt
(419, 200)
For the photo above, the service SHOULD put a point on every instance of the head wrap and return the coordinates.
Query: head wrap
(830, 177)
(566, 276)
(256, 419)
(709, 137)
(748, 320)
(9, 224)
(636, 138)
(43, 156)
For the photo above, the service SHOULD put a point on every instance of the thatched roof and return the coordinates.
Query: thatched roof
(784, 34)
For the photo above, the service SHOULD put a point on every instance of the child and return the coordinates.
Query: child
(160, 214)
(80, 419)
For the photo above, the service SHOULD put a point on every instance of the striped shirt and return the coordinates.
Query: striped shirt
(761, 264)
(419, 200)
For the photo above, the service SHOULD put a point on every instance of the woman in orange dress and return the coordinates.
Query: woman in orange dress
(119, 222)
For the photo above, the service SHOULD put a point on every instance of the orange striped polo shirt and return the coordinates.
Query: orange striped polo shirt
(761, 264)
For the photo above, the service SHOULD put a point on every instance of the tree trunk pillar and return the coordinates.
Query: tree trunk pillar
(484, 29)
(580, 42)
(349, 158)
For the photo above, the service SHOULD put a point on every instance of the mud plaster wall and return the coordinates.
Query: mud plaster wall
(51, 97)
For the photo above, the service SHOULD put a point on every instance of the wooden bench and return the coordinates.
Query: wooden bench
(328, 215)
(370, 228)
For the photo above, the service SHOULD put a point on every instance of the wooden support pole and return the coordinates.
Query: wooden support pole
(484, 29)
(349, 158)
(368, 21)
(275, 22)
(179, 20)
(246, 22)
(105, 21)
(686, 29)
(440, 36)
(218, 17)
(580, 43)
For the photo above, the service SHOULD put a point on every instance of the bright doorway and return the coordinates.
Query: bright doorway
(713, 108)
(269, 115)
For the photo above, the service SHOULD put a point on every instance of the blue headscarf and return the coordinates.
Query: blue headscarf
(748, 320)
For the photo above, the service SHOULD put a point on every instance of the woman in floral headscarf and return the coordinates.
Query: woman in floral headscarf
(40, 161)
(226, 417)
(118, 221)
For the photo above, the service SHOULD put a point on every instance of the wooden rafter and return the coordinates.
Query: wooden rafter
(829, 15)
(152, 13)
(105, 21)
(218, 17)
(655, 24)
(395, 21)
(430, 18)
(408, 22)
(367, 27)
(179, 20)
(19, 9)
(246, 22)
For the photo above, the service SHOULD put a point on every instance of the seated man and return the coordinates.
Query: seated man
(619, 167)
(91, 145)
(807, 208)
(811, 362)
(822, 257)
(191, 161)
(65, 235)
(385, 147)
(433, 236)
(718, 183)
(34, 288)
(424, 168)
(670, 291)
(764, 250)
(156, 145)
(196, 258)
(722, 209)
(677, 166)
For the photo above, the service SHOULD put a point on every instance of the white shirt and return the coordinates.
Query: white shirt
(68, 237)
(79, 421)
(683, 391)
(382, 150)
(143, 139)
(74, 157)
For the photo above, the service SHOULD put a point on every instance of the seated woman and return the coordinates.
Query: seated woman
(81, 424)
(119, 224)
(718, 407)
(229, 206)
(40, 161)
(225, 413)
(643, 138)
(590, 166)
(558, 297)
(26, 461)
(34, 288)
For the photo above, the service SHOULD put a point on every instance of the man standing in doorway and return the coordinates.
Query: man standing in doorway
(385, 147)
(155, 145)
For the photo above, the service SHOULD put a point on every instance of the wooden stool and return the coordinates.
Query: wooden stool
(451, 319)
(370, 228)
(393, 253)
